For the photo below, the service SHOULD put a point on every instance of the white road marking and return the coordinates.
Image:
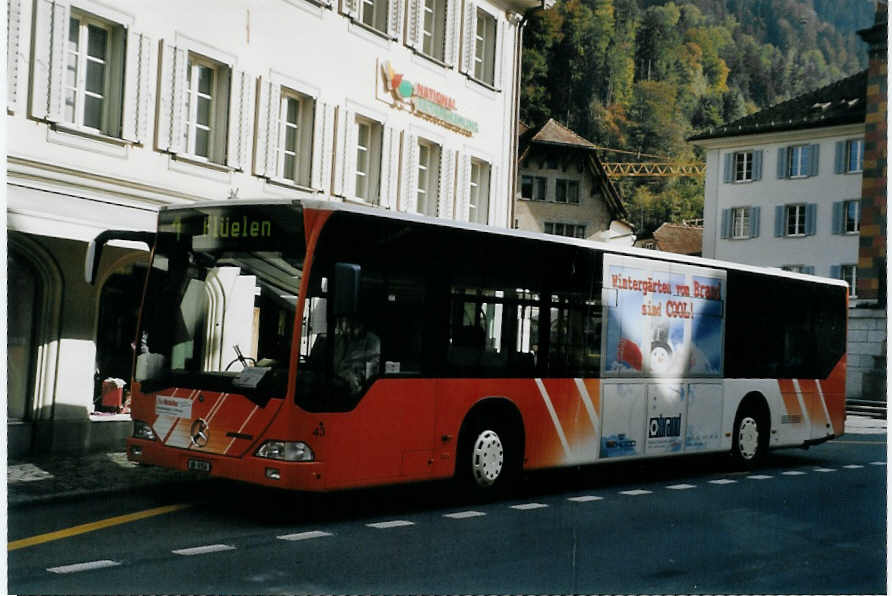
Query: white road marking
(824, 470)
(464, 514)
(397, 523)
(759, 477)
(878, 463)
(853, 466)
(585, 499)
(635, 493)
(304, 535)
(681, 486)
(793, 473)
(83, 566)
(201, 550)
(722, 481)
(529, 506)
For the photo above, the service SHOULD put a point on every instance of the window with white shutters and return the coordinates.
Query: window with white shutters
(479, 191)
(369, 136)
(428, 178)
(485, 47)
(294, 147)
(433, 29)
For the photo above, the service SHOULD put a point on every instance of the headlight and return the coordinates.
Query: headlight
(286, 451)
(141, 430)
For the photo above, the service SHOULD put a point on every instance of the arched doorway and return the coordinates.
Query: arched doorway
(23, 297)
(116, 326)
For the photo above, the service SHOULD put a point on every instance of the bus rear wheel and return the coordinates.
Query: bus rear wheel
(750, 438)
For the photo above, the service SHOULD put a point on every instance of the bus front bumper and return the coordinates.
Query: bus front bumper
(302, 476)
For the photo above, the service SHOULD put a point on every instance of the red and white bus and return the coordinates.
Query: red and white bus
(315, 346)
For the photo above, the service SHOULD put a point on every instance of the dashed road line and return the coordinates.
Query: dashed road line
(824, 470)
(853, 466)
(304, 535)
(878, 463)
(464, 514)
(760, 477)
(635, 493)
(681, 486)
(202, 550)
(723, 481)
(585, 499)
(529, 506)
(793, 473)
(83, 566)
(397, 523)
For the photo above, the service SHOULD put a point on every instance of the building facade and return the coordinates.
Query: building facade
(563, 187)
(117, 109)
(802, 186)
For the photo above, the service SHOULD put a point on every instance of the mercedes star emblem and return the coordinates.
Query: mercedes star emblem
(199, 432)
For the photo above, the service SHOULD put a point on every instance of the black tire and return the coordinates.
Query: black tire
(749, 439)
(488, 459)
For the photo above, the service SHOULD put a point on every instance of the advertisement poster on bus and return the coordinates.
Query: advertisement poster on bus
(664, 320)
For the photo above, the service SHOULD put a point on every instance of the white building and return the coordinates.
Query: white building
(118, 108)
(783, 186)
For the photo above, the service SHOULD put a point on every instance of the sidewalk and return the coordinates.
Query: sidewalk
(49, 477)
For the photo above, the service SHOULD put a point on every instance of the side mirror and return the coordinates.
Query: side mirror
(346, 289)
(94, 249)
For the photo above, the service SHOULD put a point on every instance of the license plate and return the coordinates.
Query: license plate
(199, 465)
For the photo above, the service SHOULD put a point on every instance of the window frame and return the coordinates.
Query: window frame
(82, 55)
(483, 65)
(747, 166)
(482, 184)
(437, 34)
(373, 153)
(799, 211)
(190, 113)
(301, 173)
(577, 230)
(740, 218)
(851, 225)
(859, 157)
(536, 182)
(798, 155)
(843, 275)
(375, 15)
(430, 188)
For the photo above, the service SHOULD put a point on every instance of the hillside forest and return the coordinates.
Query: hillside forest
(642, 75)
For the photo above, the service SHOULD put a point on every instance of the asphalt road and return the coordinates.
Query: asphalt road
(806, 522)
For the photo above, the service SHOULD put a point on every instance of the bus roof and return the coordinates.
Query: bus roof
(335, 205)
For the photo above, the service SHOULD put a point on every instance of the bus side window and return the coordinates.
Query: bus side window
(401, 324)
(574, 335)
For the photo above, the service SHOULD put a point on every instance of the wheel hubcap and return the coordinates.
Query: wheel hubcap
(488, 458)
(748, 438)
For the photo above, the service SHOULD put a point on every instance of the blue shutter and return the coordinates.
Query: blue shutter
(726, 223)
(811, 216)
(782, 163)
(754, 222)
(839, 157)
(814, 152)
(779, 221)
(809, 269)
(835, 270)
(729, 168)
(757, 165)
(837, 217)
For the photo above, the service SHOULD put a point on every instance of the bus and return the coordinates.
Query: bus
(316, 345)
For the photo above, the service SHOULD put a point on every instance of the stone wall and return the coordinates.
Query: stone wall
(866, 370)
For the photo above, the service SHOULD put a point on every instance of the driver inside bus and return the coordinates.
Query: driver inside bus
(357, 353)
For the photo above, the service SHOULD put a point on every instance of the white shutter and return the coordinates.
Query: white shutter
(446, 192)
(50, 33)
(453, 29)
(273, 127)
(499, 54)
(395, 18)
(328, 146)
(415, 24)
(321, 116)
(340, 141)
(409, 176)
(389, 168)
(138, 74)
(494, 200)
(351, 8)
(240, 104)
(262, 127)
(469, 38)
(172, 99)
(349, 155)
(14, 15)
(462, 206)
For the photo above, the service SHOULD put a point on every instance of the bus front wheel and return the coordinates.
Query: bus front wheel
(749, 442)
(486, 458)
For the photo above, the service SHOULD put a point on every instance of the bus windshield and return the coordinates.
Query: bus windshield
(220, 300)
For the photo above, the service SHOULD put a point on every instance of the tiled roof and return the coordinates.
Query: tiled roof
(842, 102)
(555, 133)
(683, 240)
